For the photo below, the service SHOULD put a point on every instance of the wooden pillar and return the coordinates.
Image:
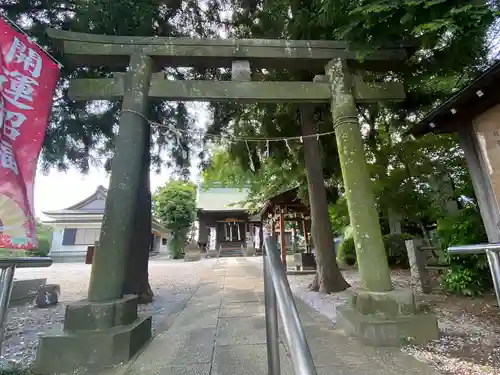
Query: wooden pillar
(282, 236)
(481, 182)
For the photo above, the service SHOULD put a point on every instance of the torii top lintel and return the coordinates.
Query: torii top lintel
(104, 50)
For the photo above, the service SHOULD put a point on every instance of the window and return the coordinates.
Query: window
(164, 241)
(86, 236)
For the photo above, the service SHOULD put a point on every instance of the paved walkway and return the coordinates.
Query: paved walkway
(221, 331)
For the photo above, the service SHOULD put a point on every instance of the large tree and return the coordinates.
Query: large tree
(175, 207)
(448, 40)
(82, 134)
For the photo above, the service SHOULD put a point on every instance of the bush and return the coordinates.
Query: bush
(464, 281)
(395, 249)
(11, 369)
(347, 252)
(177, 243)
(394, 246)
(43, 248)
(468, 275)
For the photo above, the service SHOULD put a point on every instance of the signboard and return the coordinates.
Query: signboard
(212, 238)
(28, 79)
(257, 237)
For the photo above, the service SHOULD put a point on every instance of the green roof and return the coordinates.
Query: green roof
(221, 199)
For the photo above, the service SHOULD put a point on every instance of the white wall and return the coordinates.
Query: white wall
(57, 249)
(163, 248)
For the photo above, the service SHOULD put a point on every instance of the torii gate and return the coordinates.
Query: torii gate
(105, 329)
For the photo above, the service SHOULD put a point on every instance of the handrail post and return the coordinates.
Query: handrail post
(492, 254)
(271, 311)
(8, 266)
(6, 283)
(494, 263)
(302, 361)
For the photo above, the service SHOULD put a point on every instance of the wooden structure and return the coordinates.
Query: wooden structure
(474, 114)
(224, 224)
(284, 207)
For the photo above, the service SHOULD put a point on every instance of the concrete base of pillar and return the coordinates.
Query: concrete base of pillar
(387, 319)
(95, 336)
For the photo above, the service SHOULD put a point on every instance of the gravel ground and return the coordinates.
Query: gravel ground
(470, 342)
(470, 328)
(173, 283)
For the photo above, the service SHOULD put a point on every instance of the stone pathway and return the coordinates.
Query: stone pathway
(221, 331)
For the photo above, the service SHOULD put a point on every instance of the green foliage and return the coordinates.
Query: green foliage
(468, 274)
(177, 243)
(449, 47)
(44, 234)
(271, 179)
(395, 249)
(43, 248)
(464, 229)
(394, 246)
(16, 372)
(347, 252)
(175, 207)
(15, 369)
(81, 133)
(339, 215)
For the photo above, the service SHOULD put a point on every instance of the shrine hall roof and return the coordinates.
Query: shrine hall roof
(221, 198)
(472, 100)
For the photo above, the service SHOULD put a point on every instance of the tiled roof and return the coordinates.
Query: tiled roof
(221, 199)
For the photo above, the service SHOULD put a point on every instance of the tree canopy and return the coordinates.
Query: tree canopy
(82, 134)
(175, 207)
(449, 44)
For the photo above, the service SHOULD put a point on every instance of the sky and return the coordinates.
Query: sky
(58, 190)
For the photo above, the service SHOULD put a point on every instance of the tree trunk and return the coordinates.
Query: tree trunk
(328, 279)
(137, 276)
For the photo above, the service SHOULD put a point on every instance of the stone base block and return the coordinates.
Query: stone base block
(399, 301)
(85, 315)
(388, 331)
(92, 351)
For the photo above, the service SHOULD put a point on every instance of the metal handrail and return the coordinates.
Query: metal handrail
(492, 253)
(25, 262)
(279, 296)
(8, 266)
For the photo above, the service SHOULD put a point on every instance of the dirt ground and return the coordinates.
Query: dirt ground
(173, 283)
(469, 344)
(470, 340)
(470, 327)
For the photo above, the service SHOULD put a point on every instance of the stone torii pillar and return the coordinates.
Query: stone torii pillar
(378, 314)
(105, 329)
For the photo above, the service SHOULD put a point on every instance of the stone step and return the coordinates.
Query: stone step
(227, 253)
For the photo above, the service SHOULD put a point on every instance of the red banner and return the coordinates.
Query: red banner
(28, 78)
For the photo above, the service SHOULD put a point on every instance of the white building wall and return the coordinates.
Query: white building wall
(60, 252)
(77, 253)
